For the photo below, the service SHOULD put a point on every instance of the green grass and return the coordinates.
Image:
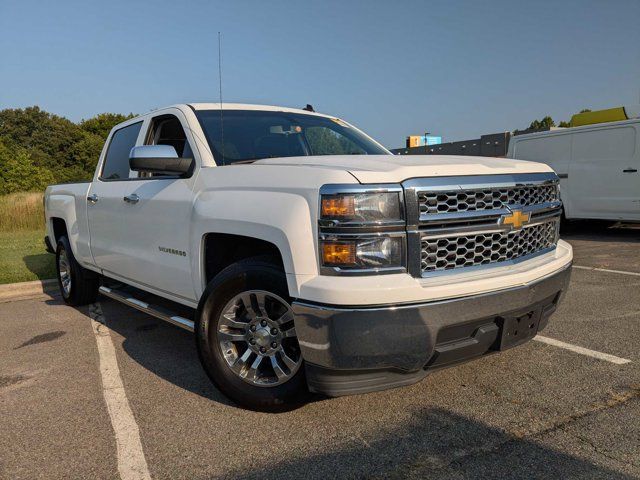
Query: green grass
(23, 257)
(22, 254)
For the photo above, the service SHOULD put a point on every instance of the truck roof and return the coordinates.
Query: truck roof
(225, 106)
(251, 106)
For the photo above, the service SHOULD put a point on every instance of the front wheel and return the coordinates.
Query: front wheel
(246, 336)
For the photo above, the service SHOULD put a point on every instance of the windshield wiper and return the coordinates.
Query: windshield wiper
(247, 160)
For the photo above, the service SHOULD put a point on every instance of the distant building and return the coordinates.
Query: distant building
(492, 145)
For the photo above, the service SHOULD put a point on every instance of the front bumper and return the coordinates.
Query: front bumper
(349, 350)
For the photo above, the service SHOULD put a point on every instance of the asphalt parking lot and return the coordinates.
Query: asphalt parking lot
(537, 411)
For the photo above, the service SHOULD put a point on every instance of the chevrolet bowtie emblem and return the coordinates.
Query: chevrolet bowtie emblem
(517, 218)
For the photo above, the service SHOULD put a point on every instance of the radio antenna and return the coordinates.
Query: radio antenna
(220, 82)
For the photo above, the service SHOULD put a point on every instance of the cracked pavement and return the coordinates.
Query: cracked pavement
(536, 411)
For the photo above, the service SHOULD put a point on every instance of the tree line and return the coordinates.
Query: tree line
(547, 122)
(38, 148)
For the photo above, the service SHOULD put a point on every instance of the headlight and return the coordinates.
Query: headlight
(361, 229)
(375, 208)
(363, 252)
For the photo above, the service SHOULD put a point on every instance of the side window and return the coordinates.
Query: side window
(116, 163)
(167, 130)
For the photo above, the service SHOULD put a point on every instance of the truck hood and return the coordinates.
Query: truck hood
(397, 168)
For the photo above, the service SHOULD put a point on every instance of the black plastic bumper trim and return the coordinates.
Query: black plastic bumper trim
(385, 346)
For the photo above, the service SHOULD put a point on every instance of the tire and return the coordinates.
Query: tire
(234, 303)
(78, 286)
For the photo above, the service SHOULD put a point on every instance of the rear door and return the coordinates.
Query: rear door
(105, 207)
(156, 226)
(603, 174)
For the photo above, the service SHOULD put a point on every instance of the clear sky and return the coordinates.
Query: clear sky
(394, 68)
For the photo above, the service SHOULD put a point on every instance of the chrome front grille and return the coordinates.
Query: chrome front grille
(456, 224)
(470, 250)
(467, 200)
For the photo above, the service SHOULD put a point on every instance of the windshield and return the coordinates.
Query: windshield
(251, 135)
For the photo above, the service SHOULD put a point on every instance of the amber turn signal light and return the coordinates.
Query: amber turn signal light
(338, 206)
(338, 253)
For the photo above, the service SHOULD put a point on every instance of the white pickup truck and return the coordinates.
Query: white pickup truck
(305, 255)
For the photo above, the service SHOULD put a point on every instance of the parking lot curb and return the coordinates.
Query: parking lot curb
(25, 290)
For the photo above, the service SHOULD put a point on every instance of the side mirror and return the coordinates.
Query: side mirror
(158, 159)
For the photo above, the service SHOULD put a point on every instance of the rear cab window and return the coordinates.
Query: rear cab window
(116, 162)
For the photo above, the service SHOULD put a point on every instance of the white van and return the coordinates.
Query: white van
(598, 166)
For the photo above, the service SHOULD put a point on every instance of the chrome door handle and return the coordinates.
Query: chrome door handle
(630, 170)
(93, 198)
(133, 198)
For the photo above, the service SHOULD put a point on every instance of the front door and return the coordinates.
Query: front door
(156, 213)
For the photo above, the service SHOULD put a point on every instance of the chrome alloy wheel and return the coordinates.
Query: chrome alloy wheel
(257, 338)
(64, 269)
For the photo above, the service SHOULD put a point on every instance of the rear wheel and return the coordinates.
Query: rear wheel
(78, 286)
(246, 336)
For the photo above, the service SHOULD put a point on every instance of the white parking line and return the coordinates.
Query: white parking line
(622, 272)
(132, 464)
(582, 350)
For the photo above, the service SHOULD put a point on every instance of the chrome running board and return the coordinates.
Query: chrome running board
(153, 310)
